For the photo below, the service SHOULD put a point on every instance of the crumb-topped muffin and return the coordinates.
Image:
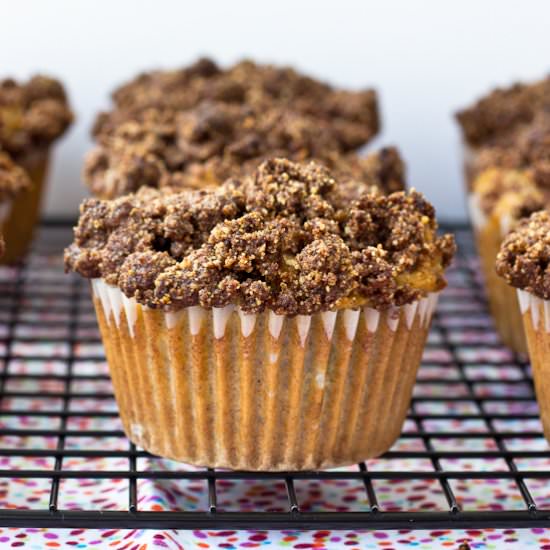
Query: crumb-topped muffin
(195, 127)
(296, 310)
(524, 263)
(499, 198)
(496, 117)
(507, 135)
(32, 116)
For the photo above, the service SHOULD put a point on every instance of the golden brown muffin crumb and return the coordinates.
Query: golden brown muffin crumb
(13, 178)
(279, 239)
(500, 113)
(32, 114)
(504, 192)
(524, 257)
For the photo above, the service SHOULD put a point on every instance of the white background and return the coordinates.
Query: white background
(426, 59)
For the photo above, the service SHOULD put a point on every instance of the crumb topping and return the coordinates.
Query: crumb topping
(500, 113)
(508, 192)
(197, 126)
(32, 114)
(283, 238)
(524, 257)
(204, 146)
(353, 114)
(13, 178)
(528, 148)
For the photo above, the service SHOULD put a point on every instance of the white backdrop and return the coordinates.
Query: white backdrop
(426, 59)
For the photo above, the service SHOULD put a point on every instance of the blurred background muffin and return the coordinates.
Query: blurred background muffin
(507, 170)
(32, 116)
(524, 264)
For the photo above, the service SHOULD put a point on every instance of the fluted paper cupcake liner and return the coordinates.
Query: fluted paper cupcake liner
(489, 233)
(222, 388)
(19, 216)
(536, 319)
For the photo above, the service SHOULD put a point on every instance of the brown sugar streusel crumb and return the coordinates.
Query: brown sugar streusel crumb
(528, 148)
(32, 114)
(353, 114)
(524, 257)
(499, 114)
(279, 239)
(203, 146)
(13, 178)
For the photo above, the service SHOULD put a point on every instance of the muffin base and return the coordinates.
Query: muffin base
(220, 388)
(19, 217)
(536, 318)
(502, 299)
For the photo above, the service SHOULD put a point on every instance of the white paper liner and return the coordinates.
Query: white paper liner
(113, 300)
(534, 304)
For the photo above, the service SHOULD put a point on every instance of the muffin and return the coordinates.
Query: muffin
(32, 116)
(508, 177)
(501, 197)
(196, 127)
(523, 262)
(272, 323)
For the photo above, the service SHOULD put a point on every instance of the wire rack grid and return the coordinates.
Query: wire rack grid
(471, 453)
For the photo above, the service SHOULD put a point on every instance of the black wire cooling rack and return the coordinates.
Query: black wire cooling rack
(472, 439)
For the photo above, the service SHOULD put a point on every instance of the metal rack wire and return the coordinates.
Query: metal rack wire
(473, 425)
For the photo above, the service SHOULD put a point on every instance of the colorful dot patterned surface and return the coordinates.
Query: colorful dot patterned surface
(42, 320)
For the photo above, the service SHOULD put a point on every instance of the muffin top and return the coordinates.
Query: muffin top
(32, 114)
(509, 192)
(528, 148)
(203, 147)
(13, 178)
(287, 239)
(524, 257)
(198, 126)
(498, 115)
(353, 114)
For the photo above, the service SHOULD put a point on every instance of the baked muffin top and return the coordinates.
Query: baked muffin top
(495, 117)
(527, 148)
(203, 147)
(524, 257)
(286, 238)
(13, 178)
(32, 114)
(198, 126)
(509, 192)
(352, 114)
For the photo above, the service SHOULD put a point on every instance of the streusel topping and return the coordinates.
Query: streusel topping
(524, 257)
(352, 114)
(498, 115)
(279, 239)
(32, 114)
(203, 146)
